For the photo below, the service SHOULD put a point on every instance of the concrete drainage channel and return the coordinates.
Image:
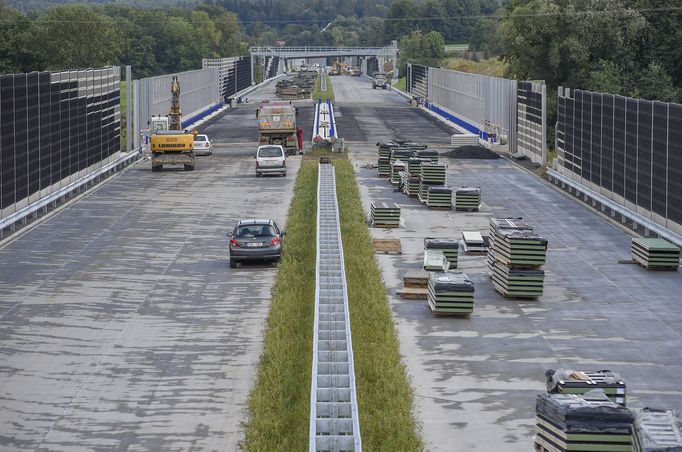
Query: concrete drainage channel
(334, 421)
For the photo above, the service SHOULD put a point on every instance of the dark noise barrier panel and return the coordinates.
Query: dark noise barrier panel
(55, 127)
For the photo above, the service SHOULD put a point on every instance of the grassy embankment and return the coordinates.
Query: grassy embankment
(402, 84)
(324, 95)
(279, 403)
(492, 66)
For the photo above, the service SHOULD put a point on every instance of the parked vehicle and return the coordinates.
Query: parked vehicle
(356, 72)
(202, 145)
(271, 159)
(255, 240)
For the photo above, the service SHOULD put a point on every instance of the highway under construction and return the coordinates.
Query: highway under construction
(115, 336)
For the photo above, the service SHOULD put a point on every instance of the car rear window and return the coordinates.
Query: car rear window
(270, 152)
(200, 138)
(256, 230)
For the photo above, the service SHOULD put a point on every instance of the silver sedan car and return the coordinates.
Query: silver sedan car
(255, 240)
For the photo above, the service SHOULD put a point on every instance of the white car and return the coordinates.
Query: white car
(202, 145)
(271, 159)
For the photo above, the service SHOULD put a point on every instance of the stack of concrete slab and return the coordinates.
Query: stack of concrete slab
(657, 431)
(499, 225)
(414, 166)
(468, 198)
(433, 173)
(384, 158)
(407, 144)
(515, 256)
(385, 214)
(439, 197)
(568, 422)
(518, 282)
(520, 249)
(410, 184)
(397, 167)
(449, 248)
(655, 254)
(451, 294)
(428, 154)
(401, 154)
(566, 381)
(435, 261)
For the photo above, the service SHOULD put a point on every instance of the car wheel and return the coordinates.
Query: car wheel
(284, 174)
(258, 174)
(233, 263)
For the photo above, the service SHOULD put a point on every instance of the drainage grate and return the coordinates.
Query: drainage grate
(334, 424)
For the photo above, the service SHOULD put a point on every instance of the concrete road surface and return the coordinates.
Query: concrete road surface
(122, 326)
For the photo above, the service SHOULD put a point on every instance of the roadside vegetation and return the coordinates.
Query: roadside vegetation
(493, 67)
(384, 393)
(402, 84)
(324, 95)
(279, 403)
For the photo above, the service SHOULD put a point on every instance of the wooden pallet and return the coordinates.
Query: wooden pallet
(387, 246)
(412, 293)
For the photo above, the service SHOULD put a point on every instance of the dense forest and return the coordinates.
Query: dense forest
(629, 47)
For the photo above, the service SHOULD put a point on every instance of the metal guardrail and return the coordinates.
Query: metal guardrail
(22, 215)
(637, 219)
(334, 420)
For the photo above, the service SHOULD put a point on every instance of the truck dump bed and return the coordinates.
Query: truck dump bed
(277, 118)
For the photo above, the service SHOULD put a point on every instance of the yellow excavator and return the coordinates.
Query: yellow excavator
(170, 144)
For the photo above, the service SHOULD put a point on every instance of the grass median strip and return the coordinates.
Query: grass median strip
(279, 403)
(383, 390)
(324, 95)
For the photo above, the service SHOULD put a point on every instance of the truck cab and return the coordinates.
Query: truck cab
(379, 80)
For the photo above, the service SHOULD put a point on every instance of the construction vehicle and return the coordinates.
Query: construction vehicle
(379, 80)
(170, 144)
(277, 125)
(339, 68)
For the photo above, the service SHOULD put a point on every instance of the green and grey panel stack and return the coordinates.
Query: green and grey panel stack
(435, 261)
(401, 154)
(566, 381)
(657, 431)
(450, 293)
(439, 196)
(497, 226)
(655, 254)
(384, 161)
(428, 154)
(414, 166)
(397, 167)
(433, 173)
(449, 248)
(410, 144)
(467, 198)
(569, 422)
(517, 282)
(411, 185)
(385, 213)
(520, 249)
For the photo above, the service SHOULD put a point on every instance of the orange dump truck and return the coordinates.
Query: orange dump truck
(277, 125)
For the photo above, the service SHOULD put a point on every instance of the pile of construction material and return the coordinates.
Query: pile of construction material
(435, 261)
(397, 167)
(449, 248)
(515, 255)
(451, 294)
(410, 184)
(657, 431)
(299, 86)
(468, 198)
(590, 422)
(427, 154)
(439, 197)
(384, 160)
(566, 381)
(385, 214)
(655, 254)
(415, 285)
(433, 175)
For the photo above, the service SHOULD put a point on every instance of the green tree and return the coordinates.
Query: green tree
(18, 43)
(74, 36)
(419, 48)
(400, 19)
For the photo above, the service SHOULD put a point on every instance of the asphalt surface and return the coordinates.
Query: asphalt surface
(122, 326)
(369, 115)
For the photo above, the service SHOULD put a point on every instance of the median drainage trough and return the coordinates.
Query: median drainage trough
(334, 421)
